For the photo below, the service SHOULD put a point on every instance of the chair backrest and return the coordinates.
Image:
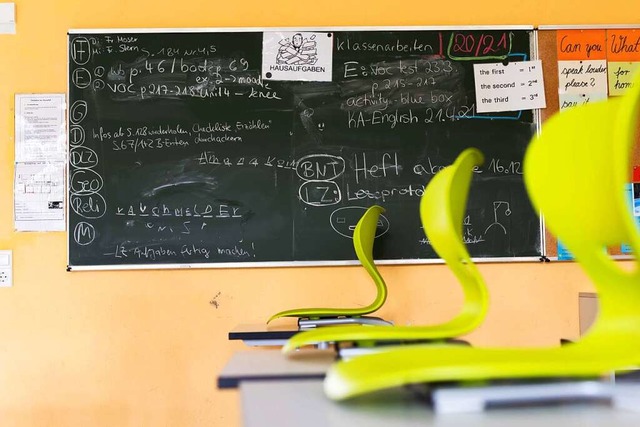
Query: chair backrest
(442, 210)
(575, 172)
(363, 239)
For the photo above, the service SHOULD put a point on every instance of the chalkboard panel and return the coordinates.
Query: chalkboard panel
(181, 152)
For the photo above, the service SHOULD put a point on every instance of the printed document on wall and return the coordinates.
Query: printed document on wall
(40, 128)
(40, 158)
(39, 196)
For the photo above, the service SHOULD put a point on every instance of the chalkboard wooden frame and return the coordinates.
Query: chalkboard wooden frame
(82, 197)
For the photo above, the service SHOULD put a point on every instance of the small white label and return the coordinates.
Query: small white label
(297, 55)
(509, 87)
(6, 269)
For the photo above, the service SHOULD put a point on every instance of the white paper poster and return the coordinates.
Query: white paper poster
(40, 158)
(297, 55)
(39, 196)
(568, 100)
(582, 76)
(7, 18)
(40, 128)
(509, 87)
(581, 82)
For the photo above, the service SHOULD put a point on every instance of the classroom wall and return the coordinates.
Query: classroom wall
(141, 348)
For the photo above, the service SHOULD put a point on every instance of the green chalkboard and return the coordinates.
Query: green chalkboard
(186, 148)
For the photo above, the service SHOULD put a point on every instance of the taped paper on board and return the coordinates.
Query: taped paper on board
(297, 55)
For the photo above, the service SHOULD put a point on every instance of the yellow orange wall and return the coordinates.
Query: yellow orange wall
(143, 348)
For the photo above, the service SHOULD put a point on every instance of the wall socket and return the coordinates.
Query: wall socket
(6, 269)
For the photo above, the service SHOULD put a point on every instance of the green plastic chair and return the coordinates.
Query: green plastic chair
(575, 172)
(363, 238)
(442, 219)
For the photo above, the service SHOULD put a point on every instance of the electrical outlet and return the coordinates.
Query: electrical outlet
(6, 269)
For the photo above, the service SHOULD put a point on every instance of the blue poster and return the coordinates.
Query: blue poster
(563, 252)
(632, 194)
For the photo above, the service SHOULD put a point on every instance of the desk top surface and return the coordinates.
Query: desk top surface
(268, 365)
(263, 332)
(303, 403)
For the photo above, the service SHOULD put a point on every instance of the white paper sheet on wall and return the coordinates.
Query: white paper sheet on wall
(40, 128)
(581, 82)
(39, 196)
(40, 154)
(580, 77)
(7, 18)
(297, 55)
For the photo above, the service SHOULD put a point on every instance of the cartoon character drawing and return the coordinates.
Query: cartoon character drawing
(297, 51)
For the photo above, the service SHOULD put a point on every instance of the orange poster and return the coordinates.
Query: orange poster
(576, 45)
(623, 45)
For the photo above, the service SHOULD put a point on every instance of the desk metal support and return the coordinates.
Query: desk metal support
(306, 323)
(267, 335)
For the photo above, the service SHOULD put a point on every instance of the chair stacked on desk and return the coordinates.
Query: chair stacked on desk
(363, 239)
(445, 216)
(575, 173)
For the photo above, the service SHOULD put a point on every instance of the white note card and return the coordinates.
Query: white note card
(7, 18)
(568, 100)
(582, 77)
(509, 87)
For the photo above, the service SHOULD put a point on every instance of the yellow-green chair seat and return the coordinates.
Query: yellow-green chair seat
(442, 219)
(363, 239)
